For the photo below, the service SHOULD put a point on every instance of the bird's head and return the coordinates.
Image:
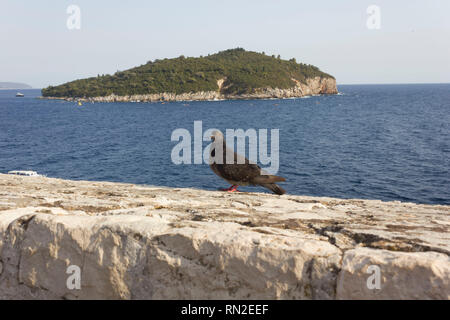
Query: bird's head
(217, 135)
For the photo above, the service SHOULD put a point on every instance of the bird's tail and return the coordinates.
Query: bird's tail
(274, 188)
(267, 178)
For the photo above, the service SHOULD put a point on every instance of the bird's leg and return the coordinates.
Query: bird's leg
(233, 188)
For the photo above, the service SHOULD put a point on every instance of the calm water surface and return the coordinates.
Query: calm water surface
(389, 142)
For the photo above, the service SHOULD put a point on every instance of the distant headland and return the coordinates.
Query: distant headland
(229, 74)
(13, 85)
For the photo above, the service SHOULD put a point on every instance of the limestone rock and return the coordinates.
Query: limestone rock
(313, 86)
(403, 275)
(144, 242)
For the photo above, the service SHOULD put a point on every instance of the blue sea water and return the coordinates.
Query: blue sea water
(388, 142)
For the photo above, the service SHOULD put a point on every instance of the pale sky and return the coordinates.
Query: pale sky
(412, 45)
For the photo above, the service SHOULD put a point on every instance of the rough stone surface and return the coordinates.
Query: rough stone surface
(412, 275)
(313, 86)
(140, 242)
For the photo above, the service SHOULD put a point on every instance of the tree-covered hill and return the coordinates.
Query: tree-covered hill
(243, 71)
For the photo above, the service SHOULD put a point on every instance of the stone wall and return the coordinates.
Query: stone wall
(139, 242)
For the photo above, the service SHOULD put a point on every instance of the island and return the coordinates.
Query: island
(230, 74)
(14, 86)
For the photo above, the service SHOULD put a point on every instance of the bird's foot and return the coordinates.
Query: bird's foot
(231, 189)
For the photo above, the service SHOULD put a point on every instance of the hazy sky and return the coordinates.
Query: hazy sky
(412, 45)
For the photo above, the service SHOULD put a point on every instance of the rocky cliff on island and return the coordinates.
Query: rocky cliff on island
(230, 74)
(140, 242)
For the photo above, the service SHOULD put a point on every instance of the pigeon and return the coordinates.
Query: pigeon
(241, 172)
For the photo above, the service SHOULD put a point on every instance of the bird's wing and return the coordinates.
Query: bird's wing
(240, 170)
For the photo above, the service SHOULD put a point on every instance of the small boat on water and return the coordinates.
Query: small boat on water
(24, 173)
(18, 94)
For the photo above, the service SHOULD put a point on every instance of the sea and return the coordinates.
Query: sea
(387, 142)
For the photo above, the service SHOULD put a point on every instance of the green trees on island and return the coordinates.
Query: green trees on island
(243, 71)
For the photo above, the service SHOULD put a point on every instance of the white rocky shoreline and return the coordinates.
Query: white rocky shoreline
(142, 242)
(314, 86)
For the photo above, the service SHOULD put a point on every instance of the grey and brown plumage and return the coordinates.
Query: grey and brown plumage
(240, 172)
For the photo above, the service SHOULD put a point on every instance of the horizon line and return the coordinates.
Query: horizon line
(338, 84)
(389, 83)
